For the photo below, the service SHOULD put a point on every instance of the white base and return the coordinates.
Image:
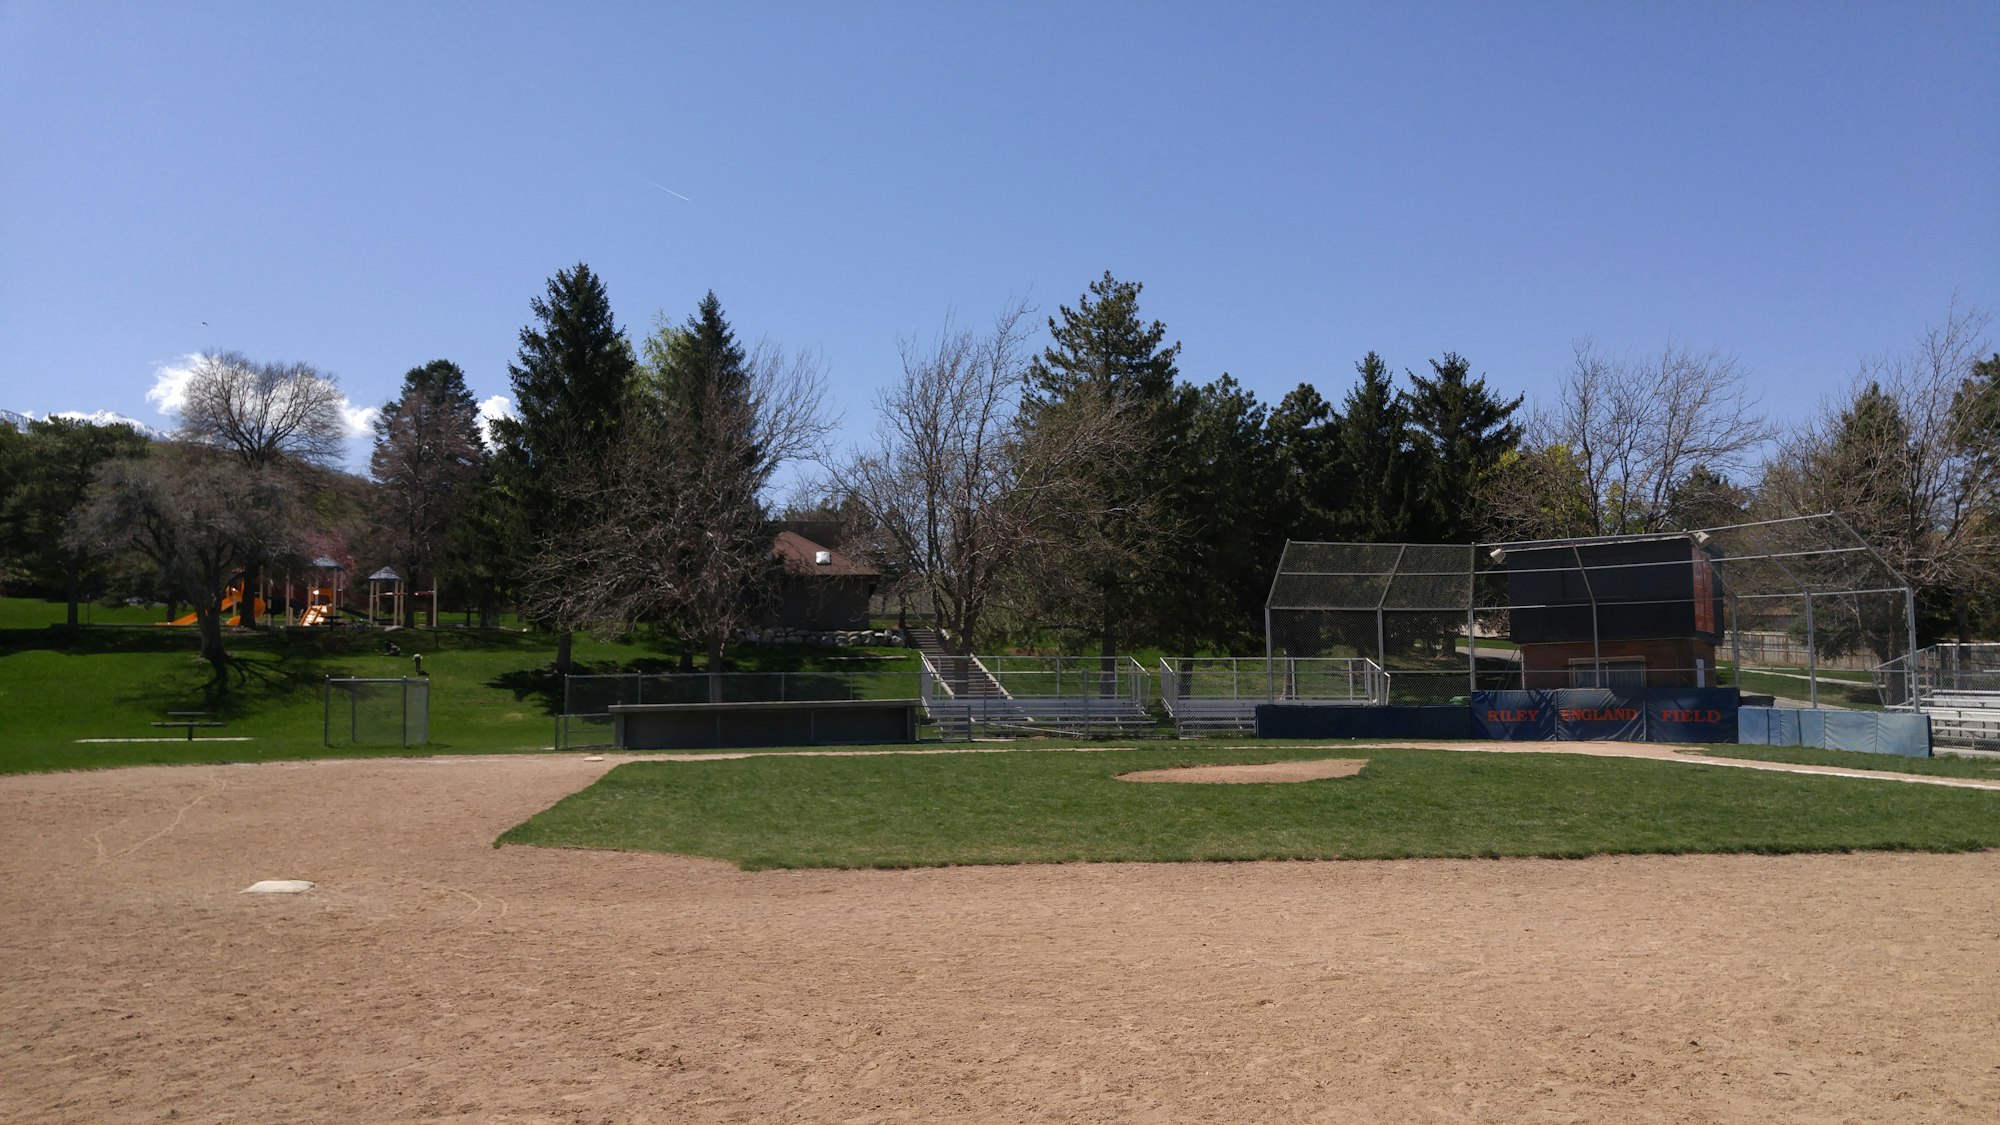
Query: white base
(278, 887)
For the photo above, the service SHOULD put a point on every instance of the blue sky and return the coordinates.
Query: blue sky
(367, 188)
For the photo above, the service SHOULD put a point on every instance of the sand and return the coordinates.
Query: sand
(429, 976)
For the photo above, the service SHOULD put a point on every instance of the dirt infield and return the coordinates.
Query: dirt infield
(430, 976)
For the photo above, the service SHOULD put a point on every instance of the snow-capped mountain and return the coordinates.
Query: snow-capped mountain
(20, 419)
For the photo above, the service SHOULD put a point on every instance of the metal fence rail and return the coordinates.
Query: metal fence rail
(584, 719)
(1014, 696)
(1213, 694)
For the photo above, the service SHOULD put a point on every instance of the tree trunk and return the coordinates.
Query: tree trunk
(246, 601)
(73, 578)
(563, 637)
(687, 656)
(209, 621)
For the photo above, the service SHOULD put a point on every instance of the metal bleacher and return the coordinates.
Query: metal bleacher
(998, 696)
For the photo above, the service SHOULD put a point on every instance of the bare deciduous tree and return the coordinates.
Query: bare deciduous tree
(938, 492)
(1903, 460)
(263, 415)
(961, 495)
(1638, 432)
(196, 518)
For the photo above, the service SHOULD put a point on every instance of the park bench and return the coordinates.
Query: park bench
(188, 720)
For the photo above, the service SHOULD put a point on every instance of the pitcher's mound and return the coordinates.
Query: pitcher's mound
(1245, 775)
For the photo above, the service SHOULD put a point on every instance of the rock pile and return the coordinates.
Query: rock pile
(830, 638)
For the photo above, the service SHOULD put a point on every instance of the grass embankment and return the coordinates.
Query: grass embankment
(1884, 763)
(909, 811)
(1852, 690)
(491, 691)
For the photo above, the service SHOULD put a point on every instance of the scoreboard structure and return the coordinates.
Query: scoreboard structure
(1637, 612)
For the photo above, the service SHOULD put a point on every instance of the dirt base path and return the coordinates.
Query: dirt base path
(433, 977)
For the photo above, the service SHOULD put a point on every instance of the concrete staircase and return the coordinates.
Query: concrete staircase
(963, 676)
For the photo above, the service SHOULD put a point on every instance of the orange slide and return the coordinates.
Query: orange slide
(229, 602)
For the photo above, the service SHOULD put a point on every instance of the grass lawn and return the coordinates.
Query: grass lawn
(1034, 807)
(491, 690)
(1853, 690)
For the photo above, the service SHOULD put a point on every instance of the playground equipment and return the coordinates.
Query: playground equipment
(230, 601)
(385, 587)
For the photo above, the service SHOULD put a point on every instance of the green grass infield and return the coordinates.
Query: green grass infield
(1053, 807)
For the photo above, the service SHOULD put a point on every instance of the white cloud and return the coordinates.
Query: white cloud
(360, 419)
(499, 406)
(170, 382)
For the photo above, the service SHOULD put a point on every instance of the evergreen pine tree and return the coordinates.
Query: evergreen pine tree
(1379, 463)
(572, 380)
(1104, 357)
(1464, 430)
(428, 458)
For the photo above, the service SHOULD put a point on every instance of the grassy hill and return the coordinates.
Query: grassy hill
(491, 690)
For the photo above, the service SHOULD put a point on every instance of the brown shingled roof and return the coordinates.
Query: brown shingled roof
(799, 555)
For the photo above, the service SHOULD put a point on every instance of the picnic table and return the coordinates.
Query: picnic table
(188, 720)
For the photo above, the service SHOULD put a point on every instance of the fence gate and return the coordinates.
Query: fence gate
(369, 712)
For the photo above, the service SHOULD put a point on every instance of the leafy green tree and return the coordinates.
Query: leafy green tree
(572, 379)
(426, 461)
(55, 465)
(13, 461)
(1462, 430)
(1105, 358)
(1705, 498)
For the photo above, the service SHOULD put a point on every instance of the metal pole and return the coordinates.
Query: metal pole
(1270, 677)
(1471, 652)
(1381, 641)
(326, 714)
(1910, 665)
(1812, 651)
(403, 733)
(1736, 643)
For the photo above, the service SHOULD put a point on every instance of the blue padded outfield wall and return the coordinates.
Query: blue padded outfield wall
(1332, 720)
(1628, 715)
(1868, 732)
(1657, 715)
(1631, 715)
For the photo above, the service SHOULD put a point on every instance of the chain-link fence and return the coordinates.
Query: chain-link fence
(1675, 610)
(377, 712)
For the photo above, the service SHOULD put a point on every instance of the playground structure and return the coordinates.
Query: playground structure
(319, 600)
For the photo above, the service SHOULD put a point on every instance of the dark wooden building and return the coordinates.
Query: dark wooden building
(819, 588)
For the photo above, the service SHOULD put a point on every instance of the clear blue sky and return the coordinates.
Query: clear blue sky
(369, 187)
